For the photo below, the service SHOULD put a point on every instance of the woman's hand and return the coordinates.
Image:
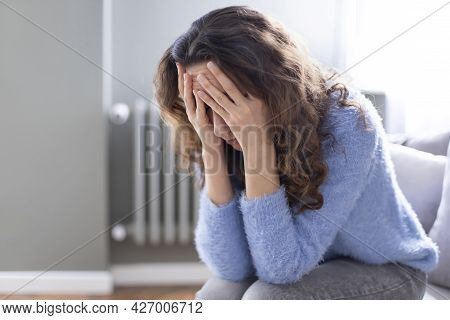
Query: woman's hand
(197, 113)
(247, 118)
(246, 115)
(217, 182)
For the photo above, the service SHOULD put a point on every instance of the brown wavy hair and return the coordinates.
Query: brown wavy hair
(257, 53)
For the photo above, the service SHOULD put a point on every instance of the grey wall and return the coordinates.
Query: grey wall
(52, 136)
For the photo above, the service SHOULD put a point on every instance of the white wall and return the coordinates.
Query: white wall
(143, 30)
(413, 69)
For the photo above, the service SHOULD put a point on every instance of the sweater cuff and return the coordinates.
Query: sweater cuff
(266, 209)
(225, 215)
(211, 206)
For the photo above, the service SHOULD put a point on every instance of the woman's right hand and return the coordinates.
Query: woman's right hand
(197, 113)
(217, 183)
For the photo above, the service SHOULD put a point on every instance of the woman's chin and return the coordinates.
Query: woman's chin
(235, 144)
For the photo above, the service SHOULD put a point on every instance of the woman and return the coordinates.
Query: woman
(298, 197)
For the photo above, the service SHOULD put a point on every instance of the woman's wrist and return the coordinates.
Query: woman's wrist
(212, 156)
(212, 148)
(217, 181)
(260, 155)
(261, 172)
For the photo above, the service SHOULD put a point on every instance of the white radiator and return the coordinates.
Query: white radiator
(165, 203)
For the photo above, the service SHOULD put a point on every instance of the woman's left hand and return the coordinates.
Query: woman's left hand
(247, 116)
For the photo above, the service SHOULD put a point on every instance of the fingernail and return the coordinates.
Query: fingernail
(210, 64)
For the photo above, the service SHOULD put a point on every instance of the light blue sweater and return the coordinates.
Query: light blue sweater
(364, 216)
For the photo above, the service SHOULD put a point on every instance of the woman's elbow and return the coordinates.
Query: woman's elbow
(279, 277)
(231, 272)
(280, 274)
(289, 272)
(224, 266)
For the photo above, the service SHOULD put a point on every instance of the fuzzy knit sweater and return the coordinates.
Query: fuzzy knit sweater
(365, 215)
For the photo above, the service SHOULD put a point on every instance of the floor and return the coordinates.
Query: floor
(436, 293)
(125, 293)
(180, 293)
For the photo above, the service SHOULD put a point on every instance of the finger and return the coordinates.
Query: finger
(220, 98)
(188, 97)
(201, 109)
(180, 79)
(235, 144)
(210, 113)
(226, 82)
(213, 104)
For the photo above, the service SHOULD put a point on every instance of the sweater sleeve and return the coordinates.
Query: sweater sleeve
(220, 239)
(284, 246)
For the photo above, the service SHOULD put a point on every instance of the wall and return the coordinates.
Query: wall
(412, 69)
(52, 136)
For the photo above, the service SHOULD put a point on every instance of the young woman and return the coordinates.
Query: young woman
(298, 198)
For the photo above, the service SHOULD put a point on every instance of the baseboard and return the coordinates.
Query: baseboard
(102, 282)
(56, 282)
(139, 274)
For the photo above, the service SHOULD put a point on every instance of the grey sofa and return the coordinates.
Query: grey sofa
(422, 166)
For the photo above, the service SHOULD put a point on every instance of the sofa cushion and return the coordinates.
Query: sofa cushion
(440, 232)
(435, 144)
(420, 176)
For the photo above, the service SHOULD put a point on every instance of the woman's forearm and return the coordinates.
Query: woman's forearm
(219, 237)
(217, 181)
(261, 173)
